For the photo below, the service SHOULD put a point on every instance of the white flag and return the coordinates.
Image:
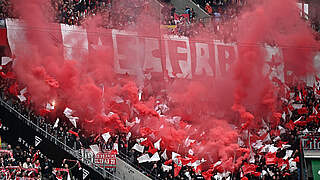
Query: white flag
(164, 155)
(282, 130)
(314, 110)
(140, 94)
(56, 123)
(115, 147)
(297, 106)
(143, 158)
(257, 145)
(95, 149)
(21, 95)
(174, 155)
(128, 136)
(267, 138)
(138, 148)
(5, 60)
(188, 141)
(155, 157)
(129, 124)
(137, 120)
(157, 144)
(49, 107)
(37, 141)
(68, 113)
(85, 173)
(166, 168)
(297, 120)
(305, 131)
(217, 164)
(117, 99)
(190, 152)
(288, 154)
(73, 121)
(106, 136)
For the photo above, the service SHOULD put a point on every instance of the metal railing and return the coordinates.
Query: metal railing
(142, 169)
(57, 142)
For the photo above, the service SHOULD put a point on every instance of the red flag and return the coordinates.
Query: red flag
(311, 118)
(296, 159)
(290, 107)
(177, 169)
(13, 89)
(207, 174)
(44, 112)
(184, 161)
(286, 174)
(152, 150)
(257, 174)
(249, 168)
(3, 75)
(271, 158)
(168, 162)
(52, 82)
(290, 125)
(300, 123)
(275, 132)
(35, 156)
(145, 131)
(302, 111)
(74, 133)
(146, 143)
(113, 152)
(176, 16)
(9, 75)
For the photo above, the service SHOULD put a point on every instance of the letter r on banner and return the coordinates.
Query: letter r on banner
(202, 60)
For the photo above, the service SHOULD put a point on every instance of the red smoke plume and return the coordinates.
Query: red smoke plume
(218, 110)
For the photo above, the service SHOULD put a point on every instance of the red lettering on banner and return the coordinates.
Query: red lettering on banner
(225, 55)
(204, 63)
(125, 48)
(152, 56)
(178, 56)
(105, 160)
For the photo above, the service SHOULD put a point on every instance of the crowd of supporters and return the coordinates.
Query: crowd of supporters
(25, 162)
(21, 162)
(120, 14)
(274, 150)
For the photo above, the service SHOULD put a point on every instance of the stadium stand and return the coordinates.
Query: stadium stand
(278, 150)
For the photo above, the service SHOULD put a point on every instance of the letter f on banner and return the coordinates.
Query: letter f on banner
(37, 141)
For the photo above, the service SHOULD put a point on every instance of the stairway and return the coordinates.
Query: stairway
(181, 4)
(22, 126)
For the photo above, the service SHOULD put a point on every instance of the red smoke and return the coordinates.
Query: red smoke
(218, 110)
